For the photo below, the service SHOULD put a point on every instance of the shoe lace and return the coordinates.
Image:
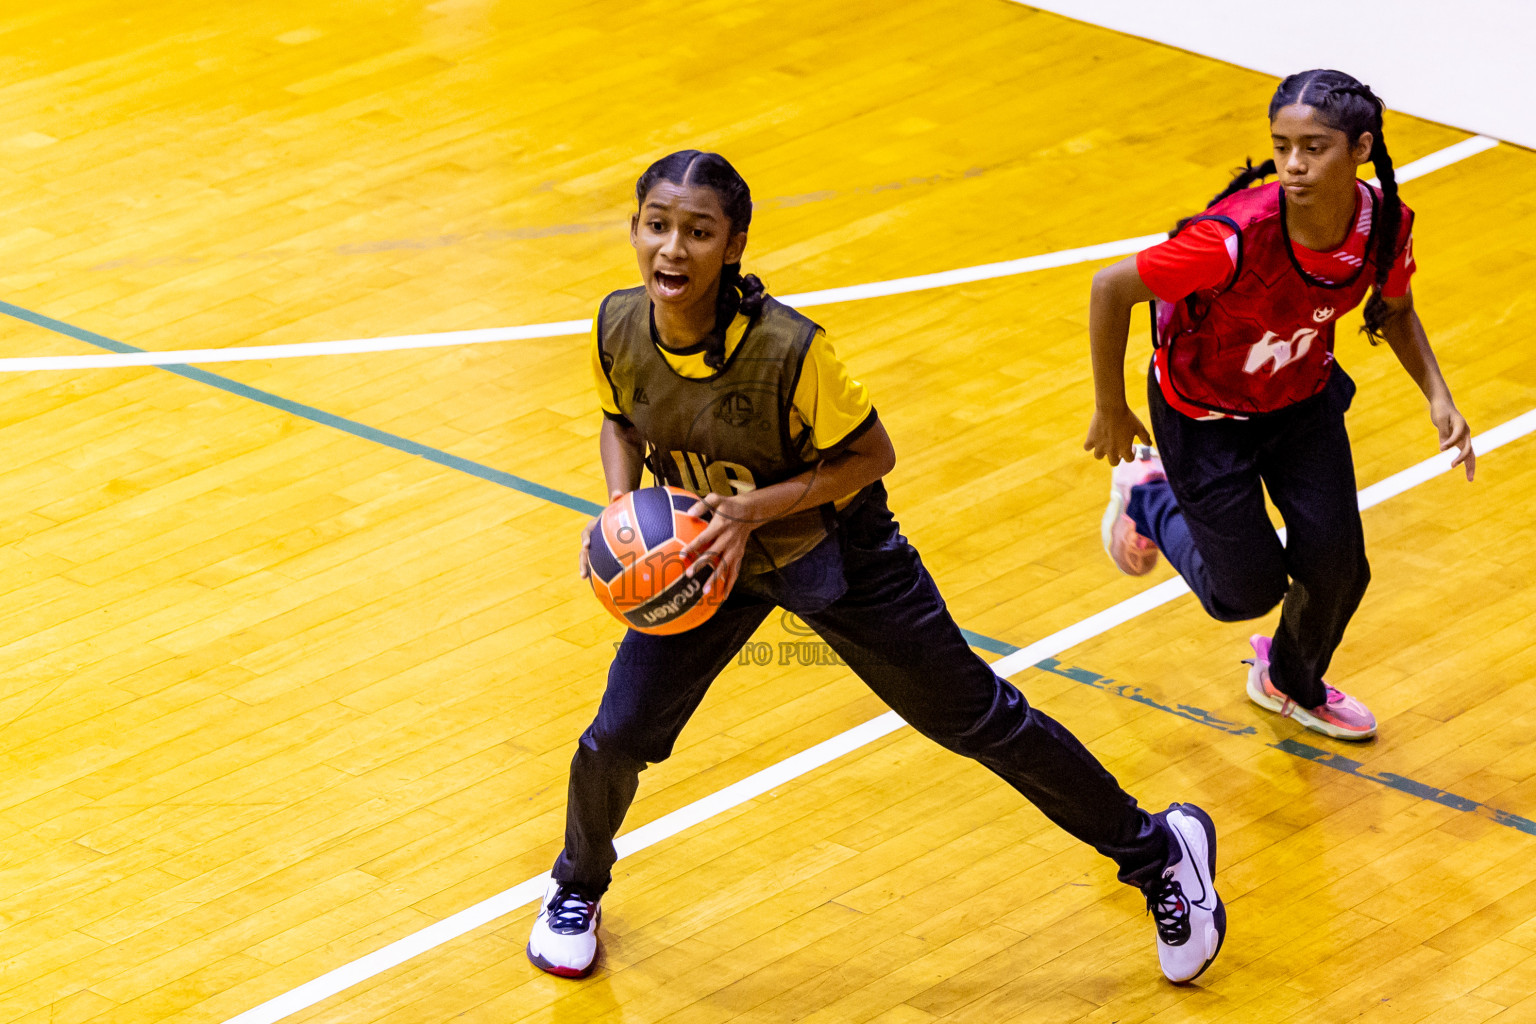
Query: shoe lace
(570, 911)
(1169, 908)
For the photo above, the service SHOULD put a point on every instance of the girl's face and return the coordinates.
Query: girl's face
(682, 238)
(1316, 163)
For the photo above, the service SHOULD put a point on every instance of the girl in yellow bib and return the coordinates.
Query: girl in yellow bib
(719, 388)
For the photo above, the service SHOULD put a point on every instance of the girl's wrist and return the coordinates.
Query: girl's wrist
(740, 509)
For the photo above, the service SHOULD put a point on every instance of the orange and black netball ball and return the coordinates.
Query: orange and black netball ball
(637, 562)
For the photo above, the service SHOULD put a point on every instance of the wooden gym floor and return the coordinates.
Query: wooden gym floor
(274, 695)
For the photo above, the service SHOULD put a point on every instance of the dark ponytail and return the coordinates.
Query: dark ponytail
(738, 292)
(1245, 177)
(1376, 312)
(1347, 105)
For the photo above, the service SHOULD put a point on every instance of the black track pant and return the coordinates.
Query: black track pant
(866, 592)
(1209, 519)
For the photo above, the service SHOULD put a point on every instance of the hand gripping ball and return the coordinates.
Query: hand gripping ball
(637, 562)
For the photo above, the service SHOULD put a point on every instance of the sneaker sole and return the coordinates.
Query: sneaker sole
(1112, 513)
(1299, 714)
(558, 970)
(1112, 516)
(1220, 914)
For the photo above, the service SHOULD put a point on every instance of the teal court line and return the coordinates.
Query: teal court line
(1295, 748)
(320, 416)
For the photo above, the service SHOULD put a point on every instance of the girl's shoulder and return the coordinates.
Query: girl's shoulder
(623, 297)
(1248, 206)
(779, 318)
(622, 306)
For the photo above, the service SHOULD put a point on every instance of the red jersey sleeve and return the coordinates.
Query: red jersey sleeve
(1201, 256)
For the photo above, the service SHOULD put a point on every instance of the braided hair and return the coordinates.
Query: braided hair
(1245, 177)
(1344, 104)
(739, 292)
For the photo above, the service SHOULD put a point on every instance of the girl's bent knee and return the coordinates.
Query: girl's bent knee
(635, 750)
(1241, 605)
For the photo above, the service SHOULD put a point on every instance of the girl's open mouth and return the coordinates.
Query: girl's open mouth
(670, 284)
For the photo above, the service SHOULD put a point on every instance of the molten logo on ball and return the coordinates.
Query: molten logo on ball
(671, 603)
(638, 566)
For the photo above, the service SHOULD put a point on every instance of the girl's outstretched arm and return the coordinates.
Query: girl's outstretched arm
(1405, 333)
(623, 455)
(1115, 428)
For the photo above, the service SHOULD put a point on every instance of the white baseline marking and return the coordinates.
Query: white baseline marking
(668, 825)
(524, 893)
(489, 335)
(1443, 158)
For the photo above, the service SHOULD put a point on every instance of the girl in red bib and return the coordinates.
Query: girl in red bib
(1245, 393)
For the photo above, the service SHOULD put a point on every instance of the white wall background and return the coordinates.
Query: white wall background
(1468, 63)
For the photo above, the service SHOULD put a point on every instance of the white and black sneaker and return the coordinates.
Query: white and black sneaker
(564, 938)
(1191, 919)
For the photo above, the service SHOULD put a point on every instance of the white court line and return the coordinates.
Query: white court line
(755, 785)
(524, 893)
(802, 300)
(1443, 158)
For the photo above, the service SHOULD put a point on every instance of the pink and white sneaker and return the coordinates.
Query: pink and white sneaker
(1341, 716)
(1132, 553)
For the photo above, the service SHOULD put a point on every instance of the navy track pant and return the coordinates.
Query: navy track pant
(867, 593)
(1209, 519)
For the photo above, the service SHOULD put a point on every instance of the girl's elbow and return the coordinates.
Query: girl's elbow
(1101, 280)
(885, 457)
(629, 435)
(1118, 285)
(1108, 287)
(1105, 277)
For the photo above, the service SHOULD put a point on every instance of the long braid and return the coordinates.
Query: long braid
(1245, 177)
(739, 293)
(727, 302)
(1391, 219)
